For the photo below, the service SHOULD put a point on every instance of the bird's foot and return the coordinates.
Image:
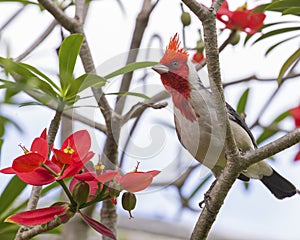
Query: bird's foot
(205, 201)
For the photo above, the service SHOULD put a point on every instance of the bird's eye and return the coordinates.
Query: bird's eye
(175, 64)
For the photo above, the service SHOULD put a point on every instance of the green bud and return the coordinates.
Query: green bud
(114, 190)
(200, 46)
(129, 202)
(236, 38)
(81, 192)
(185, 19)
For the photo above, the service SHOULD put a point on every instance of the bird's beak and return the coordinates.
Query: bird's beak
(160, 68)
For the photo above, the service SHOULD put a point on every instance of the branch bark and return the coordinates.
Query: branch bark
(141, 24)
(235, 162)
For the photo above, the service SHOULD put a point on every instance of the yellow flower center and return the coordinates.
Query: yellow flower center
(99, 167)
(69, 150)
(243, 7)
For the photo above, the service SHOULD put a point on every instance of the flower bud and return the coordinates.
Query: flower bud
(129, 202)
(114, 190)
(185, 19)
(81, 192)
(236, 38)
(200, 46)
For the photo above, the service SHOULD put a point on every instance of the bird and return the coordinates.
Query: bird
(198, 127)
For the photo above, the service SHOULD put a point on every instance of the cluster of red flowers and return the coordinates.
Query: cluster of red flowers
(295, 113)
(89, 184)
(241, 19)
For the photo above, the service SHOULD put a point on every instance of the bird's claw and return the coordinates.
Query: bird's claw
(205, 200)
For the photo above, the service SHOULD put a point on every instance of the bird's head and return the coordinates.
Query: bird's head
(173, 68)
(177, 76)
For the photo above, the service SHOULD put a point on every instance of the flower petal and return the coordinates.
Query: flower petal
(107, 176)
(154, 172)
(8, 170)
(28, 162)
(80, 141)
(44, 134)
(136, 181)
(62, 157)
(297, 157)
(40, 145)
(38, 177)
(38, 216)
(295, 112)
(99, 227)
(86, 176)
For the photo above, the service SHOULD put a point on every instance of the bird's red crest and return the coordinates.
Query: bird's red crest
(174, 51)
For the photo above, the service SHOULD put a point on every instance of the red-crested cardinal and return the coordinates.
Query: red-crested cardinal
(197, 123)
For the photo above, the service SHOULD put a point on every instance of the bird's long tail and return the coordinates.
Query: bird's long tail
(279, 186)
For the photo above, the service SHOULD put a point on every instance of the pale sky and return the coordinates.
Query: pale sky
(254, 213)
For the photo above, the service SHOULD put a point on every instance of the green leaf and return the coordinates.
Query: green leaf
(276, 32)
(293, 11)
(68, 53)
(199, 186)
(272, 129)
(12, 190)
(23, 205)
(40, 74)
(289, 62)
(20, 1)
(242, 102)
(8, 231)
(279, 43)
(129, 68)
(282, 5)
(261, 8)
(25, 79)
(141, 95)
(81, 83)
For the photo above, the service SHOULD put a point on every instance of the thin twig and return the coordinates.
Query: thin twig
(38, 41)
(141, 24)
(138, 108)
(11, 18)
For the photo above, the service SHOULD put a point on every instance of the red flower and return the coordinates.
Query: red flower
(241, 19)
(34, 167)
(137, 181)
(198, 57)
(94, 179)
(62, 211)
(295, 113)
(39, 216)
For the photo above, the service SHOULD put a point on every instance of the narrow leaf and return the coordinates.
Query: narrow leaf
(282, 5)
(99, 227)
(12, 190)
(40, 74)
(141, 95)
(68, 53)
(288, 63)
(272, 129)
(81, 83)
(129, 68)
(279, 43)
(293, 10)
(276, 32)
(199, 186)
(243, 102)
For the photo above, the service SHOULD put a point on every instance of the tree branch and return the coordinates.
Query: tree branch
(271, 149)
(141, 24)
(38, 41)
